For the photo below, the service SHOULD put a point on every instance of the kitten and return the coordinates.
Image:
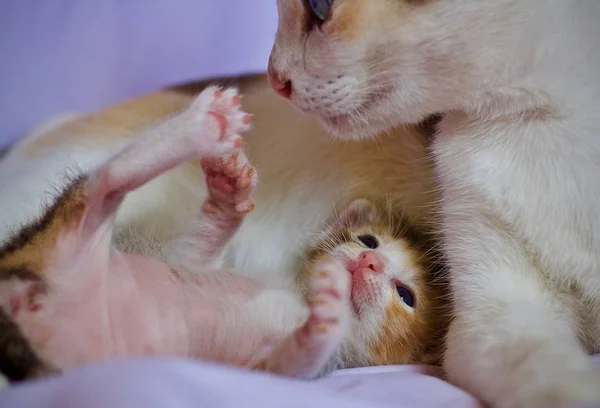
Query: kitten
(77, 299)
(398, 286)
(517, 157)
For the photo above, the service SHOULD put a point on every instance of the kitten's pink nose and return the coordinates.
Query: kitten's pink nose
(369, 259)
(279, 83)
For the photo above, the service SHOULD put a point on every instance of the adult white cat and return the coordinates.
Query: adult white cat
(518, 159)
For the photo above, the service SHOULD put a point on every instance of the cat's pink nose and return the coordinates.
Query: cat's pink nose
(279, 83)
(370, 259)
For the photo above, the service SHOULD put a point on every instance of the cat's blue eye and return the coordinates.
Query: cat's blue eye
(320, 8)
(369, 241)
(406, 296)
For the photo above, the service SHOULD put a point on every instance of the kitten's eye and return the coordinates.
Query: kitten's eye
(406, 296)
(320, 8)
(369, 241)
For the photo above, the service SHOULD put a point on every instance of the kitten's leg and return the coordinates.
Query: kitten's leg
(512, 341)
(308, 350)
(230, 182)
(79, 232)
(209, 127)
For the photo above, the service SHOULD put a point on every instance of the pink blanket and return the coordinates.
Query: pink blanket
(173, 383)
(181, 384)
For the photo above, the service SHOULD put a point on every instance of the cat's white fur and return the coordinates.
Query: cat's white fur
(518, 161)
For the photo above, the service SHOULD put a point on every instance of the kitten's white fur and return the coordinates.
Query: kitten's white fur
(518, 160)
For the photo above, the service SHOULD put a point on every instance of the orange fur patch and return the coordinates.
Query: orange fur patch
(115, 124)
(32, 248)
(413, 336)
(400, 335)
(351, 19)
(125, 120)
(345, 22)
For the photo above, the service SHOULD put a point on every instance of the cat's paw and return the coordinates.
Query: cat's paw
(230, 182)
(329, 304)
(215, 121)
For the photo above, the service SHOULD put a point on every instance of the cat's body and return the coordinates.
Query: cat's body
(77, 299)
(517, 156)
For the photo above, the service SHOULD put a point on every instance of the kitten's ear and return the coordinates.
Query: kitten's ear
(359, 212)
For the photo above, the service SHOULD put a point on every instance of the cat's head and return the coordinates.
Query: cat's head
(398, 291)
(364, 66)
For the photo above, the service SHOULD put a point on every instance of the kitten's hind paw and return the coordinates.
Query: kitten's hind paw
(230, 181)
(216, 119)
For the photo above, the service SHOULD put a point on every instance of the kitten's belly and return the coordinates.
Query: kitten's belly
(231, 318)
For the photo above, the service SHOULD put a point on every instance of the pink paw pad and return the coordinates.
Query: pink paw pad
(231, 181)
(223, 118)
(221, 122)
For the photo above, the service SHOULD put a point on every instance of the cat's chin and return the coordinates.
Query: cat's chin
(369, 121)
(347, 127)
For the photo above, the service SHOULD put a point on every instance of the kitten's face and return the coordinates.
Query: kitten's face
(396, 301)
(363, 66)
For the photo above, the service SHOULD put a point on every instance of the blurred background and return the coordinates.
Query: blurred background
(59, 56)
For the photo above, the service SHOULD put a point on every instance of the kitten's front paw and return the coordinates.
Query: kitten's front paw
(216, 121)
(230, 181)
(308, 350)
(329, 304)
